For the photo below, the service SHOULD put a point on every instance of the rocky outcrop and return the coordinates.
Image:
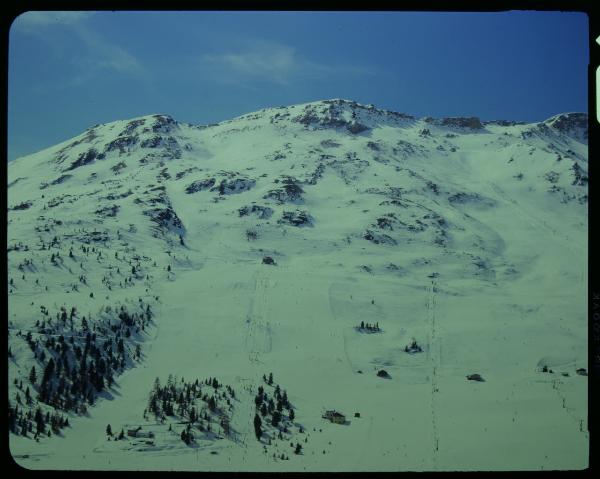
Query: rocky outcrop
(86, 158)
(166, 220)
(132, 126)
(572, 124)
(296, 218)
(163, 124)
(379, 238)
(263, 212)
(290, 192)
(21, 206)
(580, 178)
(123, 144)
(234, 186)
(472, 122)
(200, 185)
(503, 122)
(61, 179)
(475, 198)
(158, 141)
(108, 211)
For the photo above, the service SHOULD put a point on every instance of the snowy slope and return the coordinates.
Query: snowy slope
(469, 237)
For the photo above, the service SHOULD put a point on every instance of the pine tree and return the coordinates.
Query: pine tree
(32, 375)
(121, 434)
(48, 372)
(270, 381)
(292, 415)
(271, 405)
(257, 426)
(39, 421)
(298, 448)
(276, 418)
(109, 430)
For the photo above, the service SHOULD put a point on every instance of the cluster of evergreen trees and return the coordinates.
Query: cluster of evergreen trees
(371, 328)
(179, 399)
(272, 406)
(413, 347)
(77, 358)
(22, 421)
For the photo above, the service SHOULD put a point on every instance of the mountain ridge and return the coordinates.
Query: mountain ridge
(566, 121)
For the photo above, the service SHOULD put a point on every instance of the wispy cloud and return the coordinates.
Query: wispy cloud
(270, 61)
(32, 20)
(106, 55)
(101, 55)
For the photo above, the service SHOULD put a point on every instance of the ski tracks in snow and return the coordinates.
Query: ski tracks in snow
(540, 224)
(434, 358)
(258, 336)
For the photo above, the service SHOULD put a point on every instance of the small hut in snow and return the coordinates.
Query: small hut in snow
(139, 433)
(334, 416)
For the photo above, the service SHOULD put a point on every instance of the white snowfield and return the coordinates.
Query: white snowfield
(468, 237)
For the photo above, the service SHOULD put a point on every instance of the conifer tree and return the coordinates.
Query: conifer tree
(32, 375)
(39, 421)
(257, 426)
(48, 372)
(276, 418)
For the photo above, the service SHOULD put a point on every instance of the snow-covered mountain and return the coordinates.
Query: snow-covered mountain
(323, 243)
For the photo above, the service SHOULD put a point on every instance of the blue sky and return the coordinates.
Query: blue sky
(71, 70)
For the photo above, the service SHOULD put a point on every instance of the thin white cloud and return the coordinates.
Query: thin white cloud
(106, 55)
(32, 20)
(101, 54)
(270, 61)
